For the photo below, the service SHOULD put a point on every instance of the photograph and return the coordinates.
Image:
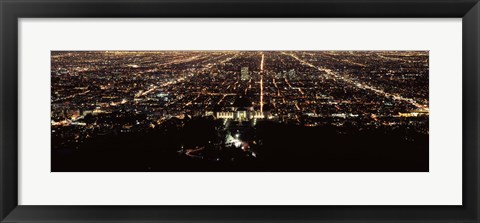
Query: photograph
(239, 111)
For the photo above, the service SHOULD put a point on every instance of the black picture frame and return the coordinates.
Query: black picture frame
(12, 10)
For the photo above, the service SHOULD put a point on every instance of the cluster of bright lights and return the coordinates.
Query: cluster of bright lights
(236, 142)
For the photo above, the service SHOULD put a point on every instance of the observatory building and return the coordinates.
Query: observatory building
(241, 110)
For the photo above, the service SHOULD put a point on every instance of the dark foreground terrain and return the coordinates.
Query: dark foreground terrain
(280, 147)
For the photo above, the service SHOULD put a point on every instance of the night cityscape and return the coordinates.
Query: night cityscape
(240, 111)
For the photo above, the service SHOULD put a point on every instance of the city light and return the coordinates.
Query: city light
(232, 106)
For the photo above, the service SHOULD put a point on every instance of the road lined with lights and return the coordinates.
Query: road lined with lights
(330, 74)
(261, 82)
(181, 79)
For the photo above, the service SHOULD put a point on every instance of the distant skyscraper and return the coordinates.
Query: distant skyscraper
(292, 75)
(244, 74)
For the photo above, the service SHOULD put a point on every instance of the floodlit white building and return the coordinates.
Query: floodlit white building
(241, 110)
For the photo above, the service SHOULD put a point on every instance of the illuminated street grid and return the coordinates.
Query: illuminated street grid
(100, 92)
